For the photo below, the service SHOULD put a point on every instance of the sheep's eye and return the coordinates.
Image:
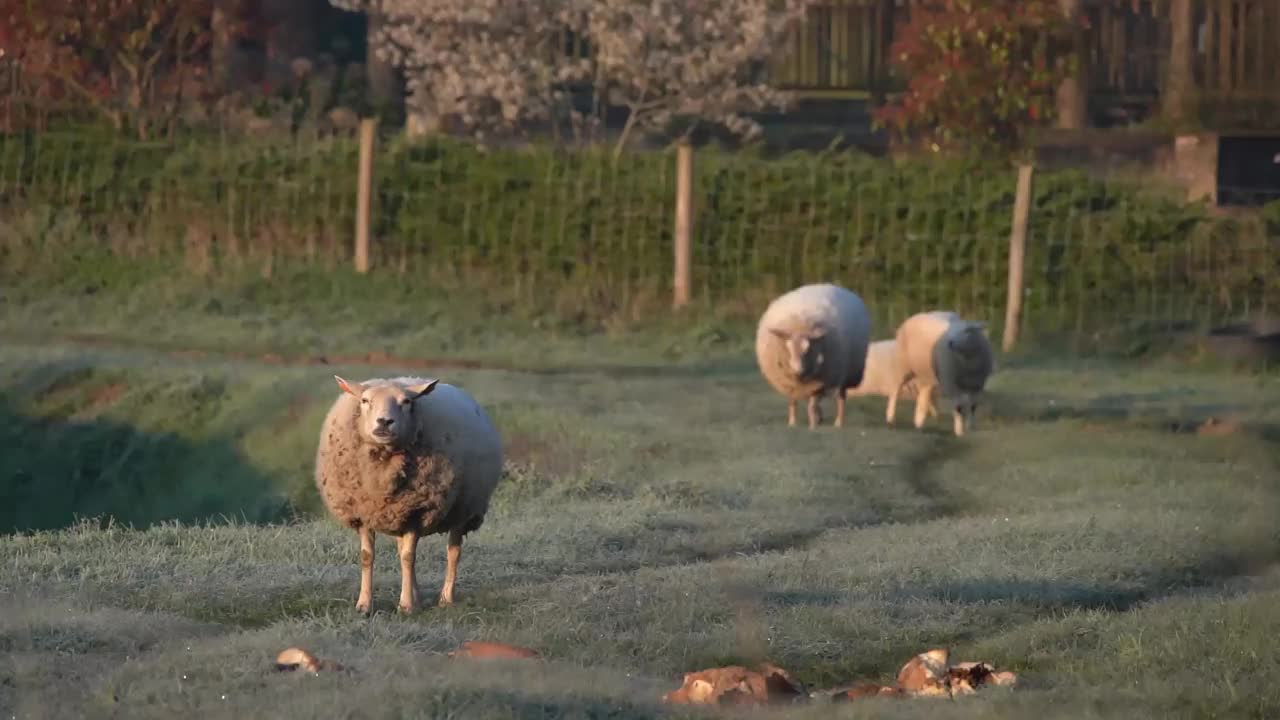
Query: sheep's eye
(364, 401)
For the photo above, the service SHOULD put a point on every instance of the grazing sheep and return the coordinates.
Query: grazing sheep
(812, 340)
(881, 373)
(407, 457)
(941, 350)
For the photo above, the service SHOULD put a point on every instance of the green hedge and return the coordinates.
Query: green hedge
(541, 223)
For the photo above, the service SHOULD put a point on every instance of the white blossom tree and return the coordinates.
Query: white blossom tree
(689, 60)
(487, 65)
(491, 65)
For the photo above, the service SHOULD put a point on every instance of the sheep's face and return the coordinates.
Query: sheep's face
(964, 339)
(385, 413)
(804, 350)
(968, 345)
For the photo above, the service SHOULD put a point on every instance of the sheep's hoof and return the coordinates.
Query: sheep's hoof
(405, 609)
(445, 602)
(362, 607)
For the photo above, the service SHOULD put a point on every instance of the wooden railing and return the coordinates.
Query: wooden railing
(841, 51)
(1236, 45)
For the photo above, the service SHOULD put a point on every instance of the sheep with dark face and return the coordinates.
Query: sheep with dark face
(941, 351)
(407, 457)
(811, 341)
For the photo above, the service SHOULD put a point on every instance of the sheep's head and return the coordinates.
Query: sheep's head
(966, 339)
(968, 345)
(805, 350)
(385, 412)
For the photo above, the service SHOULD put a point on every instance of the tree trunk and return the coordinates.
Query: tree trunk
(1179, 82)
(384, 90)
(222, 43)
(1072, 98)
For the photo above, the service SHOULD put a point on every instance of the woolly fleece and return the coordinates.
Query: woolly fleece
(844, 348)
(940, 349)
(881, 372)
(441, 481)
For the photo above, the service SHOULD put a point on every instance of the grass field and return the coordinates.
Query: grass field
(655, 519)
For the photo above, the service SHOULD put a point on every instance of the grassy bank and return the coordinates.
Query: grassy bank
(650, 523)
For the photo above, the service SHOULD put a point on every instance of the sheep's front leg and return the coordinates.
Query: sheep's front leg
(451, 568)
(791, 412)
(891, 412)
(962, 418)
(840, 407)
(407, 548)
(815, 411)
(923, 400)
(365, 601)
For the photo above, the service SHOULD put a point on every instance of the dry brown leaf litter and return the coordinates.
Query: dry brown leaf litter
(929, 674)
(295, 658)
(735, 685)
(482, 649)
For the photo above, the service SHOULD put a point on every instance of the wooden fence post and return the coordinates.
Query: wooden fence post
(1017, 256)
(364, 193)
(681, 280)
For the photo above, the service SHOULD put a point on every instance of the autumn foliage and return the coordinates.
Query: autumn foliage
(128, 60)
(981, 73)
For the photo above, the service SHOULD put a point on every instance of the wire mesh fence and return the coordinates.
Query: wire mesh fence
(1103, 255)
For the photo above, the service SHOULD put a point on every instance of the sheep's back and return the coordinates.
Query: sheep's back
(880, 373)
(917, 337)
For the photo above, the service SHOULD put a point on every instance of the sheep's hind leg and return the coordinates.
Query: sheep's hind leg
(791, 412)
(407, 548)
(840, 407)
(815, 411)
(923, 400)
(451, 568)
(365, 601)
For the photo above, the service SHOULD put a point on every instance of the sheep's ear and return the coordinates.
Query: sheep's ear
(348, 388)
(417, 391)
(978, 324)
(817, 333)
(780, 334)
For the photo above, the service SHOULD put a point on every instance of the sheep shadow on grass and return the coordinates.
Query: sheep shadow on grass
(55, 470)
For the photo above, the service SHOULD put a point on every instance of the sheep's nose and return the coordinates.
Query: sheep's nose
(385, 422)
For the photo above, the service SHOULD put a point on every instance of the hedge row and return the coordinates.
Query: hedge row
(907, 235)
